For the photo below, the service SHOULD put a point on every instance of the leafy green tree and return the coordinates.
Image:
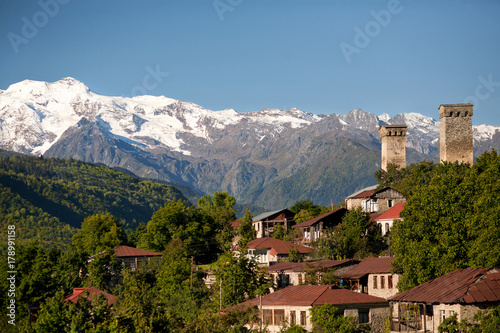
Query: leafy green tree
(487, 321)
(449, 222)
(99, 233)
(246, 230)
(326, 319)
(104, 271)
(240, 278)
(305, 210)
(176, 220)
(221, 209)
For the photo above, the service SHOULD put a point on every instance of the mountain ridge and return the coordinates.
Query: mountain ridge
(246, 154)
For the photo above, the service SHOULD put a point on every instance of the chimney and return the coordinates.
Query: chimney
(456, 133)
(393, 145)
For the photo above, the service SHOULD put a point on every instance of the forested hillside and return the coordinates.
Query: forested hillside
(48, 198)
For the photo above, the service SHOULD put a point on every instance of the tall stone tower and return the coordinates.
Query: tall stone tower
(393, 145)
(456, 133)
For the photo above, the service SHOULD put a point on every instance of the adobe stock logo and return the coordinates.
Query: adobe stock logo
(483, 91)
(363, 37)
(223, 6)
(150, 81)
(30, 28)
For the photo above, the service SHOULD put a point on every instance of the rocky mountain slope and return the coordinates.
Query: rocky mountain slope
(270, 158)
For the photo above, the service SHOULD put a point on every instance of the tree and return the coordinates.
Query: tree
(450, 221)
(487, 321)
(326, 318)
(305, 210)
(246, 230)
(221, 209)
(240, 278)
(99, 233)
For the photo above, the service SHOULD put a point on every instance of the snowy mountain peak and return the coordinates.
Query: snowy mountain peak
(384, 117)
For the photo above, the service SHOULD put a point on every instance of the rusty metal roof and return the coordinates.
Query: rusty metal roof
(306, 295)
(308, 223)
(364, 194)
(93, 293)
(393, 212)
(369, 266)
(467, 285)
(302, 266)
(128, 251)
(279, 246)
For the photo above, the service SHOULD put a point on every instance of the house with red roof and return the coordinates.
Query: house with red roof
(311, 230)
(292, 305)
(372, 200)
(133, 258)
(269, 251)
(386, 220)
(91, 293)
(295, 273)
(462, 292)
(372, 276)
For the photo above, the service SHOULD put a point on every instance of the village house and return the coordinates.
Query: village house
(462, 292)
(265, 223)
(386, 220)
(311, 230)
(294, 273)
(91, 293)
(372, 276)
(292, 305)
(269, 251)
(134, 258)
(372, 201)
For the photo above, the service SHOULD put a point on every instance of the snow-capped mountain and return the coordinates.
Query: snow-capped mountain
(270, 157)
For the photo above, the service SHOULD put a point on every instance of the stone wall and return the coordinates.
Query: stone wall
(393, 145)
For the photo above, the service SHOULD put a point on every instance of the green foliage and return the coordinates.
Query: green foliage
(47, 198)
(449, 222)
(305, 210)
(240, 278)
(326, 319)
(294, 255)
(246, 230)
(319, 275)
(99, 233)
(356, 237)
(293, 328)
(486, 321)
(177, 220)
(405, 180)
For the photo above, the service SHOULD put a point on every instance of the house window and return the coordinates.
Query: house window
(300, 278)
(443, 315)
(389, 203)
(363, 316)
(303, 318)
(279, 317)
(389, 282)
(267, 317)
(382, 282)
(374, 282)
(293, 318)
(386, 228)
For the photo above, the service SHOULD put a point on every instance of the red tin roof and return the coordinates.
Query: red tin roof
(317, 219)
(302, 266)
(93, 293)
(393, 213)
(370, 266)
(364, 194)
(279, 246)
(307, 295)
(128, 251)
(467, 285)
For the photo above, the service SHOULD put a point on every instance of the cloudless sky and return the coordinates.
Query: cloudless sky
(318, 56)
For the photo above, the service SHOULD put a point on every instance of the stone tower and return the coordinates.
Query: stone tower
(456, 133)
(393, 145)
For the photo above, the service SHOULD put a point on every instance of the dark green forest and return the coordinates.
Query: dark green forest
(48, 198)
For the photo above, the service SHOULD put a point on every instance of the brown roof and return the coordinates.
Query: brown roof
(364, 194)
(317, 219)
(93, 293)
(393, 213)
(307, 295)
(128, 251)
(302, 266)
(369, 266)
(467, 285)
(279, 246)
(236, 223)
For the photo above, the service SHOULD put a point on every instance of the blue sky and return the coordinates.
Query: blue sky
(319, 56)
